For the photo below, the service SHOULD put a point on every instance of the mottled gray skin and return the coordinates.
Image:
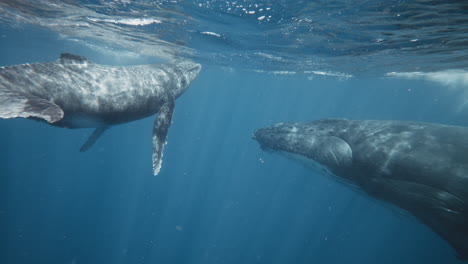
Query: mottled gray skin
(73, 92)
(420, 167)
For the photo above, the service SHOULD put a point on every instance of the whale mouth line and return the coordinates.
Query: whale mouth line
(197, 67)
(268, 149)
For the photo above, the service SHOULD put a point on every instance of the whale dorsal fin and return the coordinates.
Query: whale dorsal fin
(72, 58)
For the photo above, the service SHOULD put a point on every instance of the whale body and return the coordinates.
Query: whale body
(420, 167)
(74, 92)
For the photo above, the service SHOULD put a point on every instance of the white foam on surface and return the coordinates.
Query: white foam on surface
(211, 34)
(449, 78)
(128, 21)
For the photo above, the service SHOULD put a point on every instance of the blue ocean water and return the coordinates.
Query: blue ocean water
(219, 198)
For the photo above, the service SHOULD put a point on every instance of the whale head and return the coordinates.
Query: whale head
(188, 71)
(316, 141)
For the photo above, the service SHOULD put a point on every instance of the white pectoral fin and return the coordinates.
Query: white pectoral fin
(93, 138)
(16, 104)
(160, 129)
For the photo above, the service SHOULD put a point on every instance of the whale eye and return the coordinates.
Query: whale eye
(183, 82)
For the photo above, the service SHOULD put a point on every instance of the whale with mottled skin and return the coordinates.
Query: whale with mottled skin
(420, 167)
(74, 92)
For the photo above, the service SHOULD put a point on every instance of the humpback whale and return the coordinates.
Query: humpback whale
(74, 92)
(419, 167)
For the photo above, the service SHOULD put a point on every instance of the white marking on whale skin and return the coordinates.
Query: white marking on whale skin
(19, 106)
(334, 157)
(157, 166)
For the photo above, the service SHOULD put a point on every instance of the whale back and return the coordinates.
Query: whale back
(74, 88)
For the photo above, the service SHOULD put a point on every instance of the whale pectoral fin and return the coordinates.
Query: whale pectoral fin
(93, 138)
(331, 151)
(160, 128)
(15, 104)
